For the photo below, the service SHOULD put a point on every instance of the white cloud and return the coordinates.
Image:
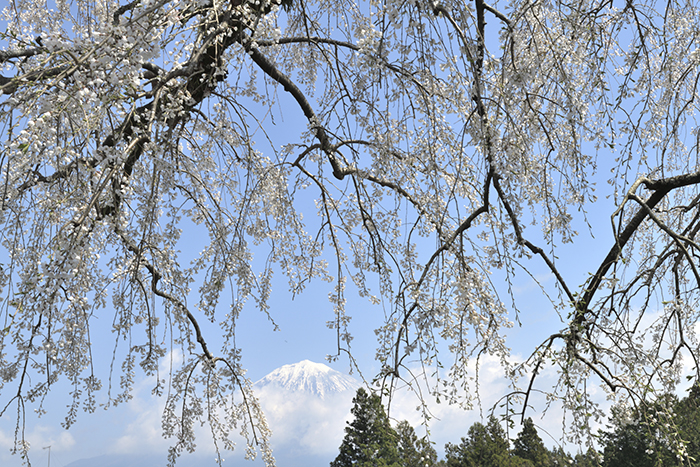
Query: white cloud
(313, 425)
(143, 434)
(451, 422)
(39, 436)
(301, 423)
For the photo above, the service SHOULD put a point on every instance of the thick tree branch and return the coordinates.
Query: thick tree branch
(7, 55)
(273, 72)
(524, 242)
(660, 189)
(155, 278)
(496, 13)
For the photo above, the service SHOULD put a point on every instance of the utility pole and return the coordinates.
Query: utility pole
(49, 448)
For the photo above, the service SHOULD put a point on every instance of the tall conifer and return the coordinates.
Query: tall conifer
(528, 445)
(369, 439)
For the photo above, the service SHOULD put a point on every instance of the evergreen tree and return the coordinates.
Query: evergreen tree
(635, 441)
(484, 446)
(688, 421)
(590, 458)
(414, 452)
(529, 446)
(666, 433)
(516, 461)
(560, 458)
(369, 439)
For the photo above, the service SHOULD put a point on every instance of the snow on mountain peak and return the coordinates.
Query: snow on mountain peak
(310, 377)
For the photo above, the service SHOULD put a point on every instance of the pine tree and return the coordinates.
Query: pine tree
(688, 421)
(414, 452)
(369, 439)
(641, 437)
(635, 440)
(529, 446)
(560, 458)
(484, 446)
(590, 458)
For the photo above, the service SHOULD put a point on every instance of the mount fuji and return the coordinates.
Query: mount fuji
(310, 378)
(306, 405)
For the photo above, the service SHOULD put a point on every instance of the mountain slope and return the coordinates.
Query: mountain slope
(309, 377)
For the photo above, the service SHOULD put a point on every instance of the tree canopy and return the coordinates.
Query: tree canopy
(484, 445)
(418, 154)
(369, 438)
(529, 446)
(414, 451)
(637, 436)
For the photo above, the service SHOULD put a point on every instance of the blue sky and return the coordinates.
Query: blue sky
(303, 334)
(135, 427)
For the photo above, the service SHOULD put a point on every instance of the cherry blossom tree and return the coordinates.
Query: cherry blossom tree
(444, 143)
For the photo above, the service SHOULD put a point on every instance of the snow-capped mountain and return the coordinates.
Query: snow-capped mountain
(309, 377)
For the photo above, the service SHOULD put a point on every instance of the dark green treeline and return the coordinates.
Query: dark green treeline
(665, 434)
